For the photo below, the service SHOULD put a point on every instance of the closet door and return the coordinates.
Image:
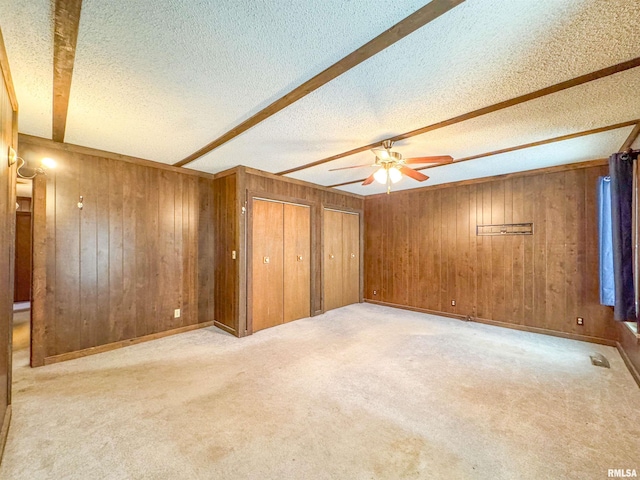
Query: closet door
(351, 255)
(333, 264)
(267, 264)
(297, 262)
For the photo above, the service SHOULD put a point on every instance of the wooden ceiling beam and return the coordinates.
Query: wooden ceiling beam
(65, 38)
(561, 138)
(596, 162)
(631, 138)
(589, 77)
(408, 25)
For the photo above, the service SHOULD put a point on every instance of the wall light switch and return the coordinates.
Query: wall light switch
(233, 254)
(266, 260)
(176, 313)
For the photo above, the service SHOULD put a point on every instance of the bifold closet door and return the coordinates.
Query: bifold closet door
(341, 234)
(351, 254)
(333, 268)
(297, 262)
(267, 264)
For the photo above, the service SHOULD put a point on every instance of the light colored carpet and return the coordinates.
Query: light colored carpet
(21, 329)
(363, 392)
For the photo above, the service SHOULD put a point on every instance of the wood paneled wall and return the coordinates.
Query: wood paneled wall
(232, 190)
(141, 246)
(421, 251)
(227, 270)
(8, 137)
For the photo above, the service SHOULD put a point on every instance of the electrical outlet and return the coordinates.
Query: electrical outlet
(453, 303)
(580, 321)
(375, 292)
(176, 313)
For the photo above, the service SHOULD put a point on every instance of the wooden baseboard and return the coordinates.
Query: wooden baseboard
(513, 326)
(627, 361)
(123, 343)
(226, 328)
(545, 331)
(4, 431)
(416, 309)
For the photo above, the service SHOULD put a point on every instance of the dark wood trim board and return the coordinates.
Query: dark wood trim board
(627, 361)
(124, 343)
(66, 22)
(512, 326)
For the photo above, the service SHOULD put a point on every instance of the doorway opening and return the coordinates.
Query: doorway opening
(22, 271)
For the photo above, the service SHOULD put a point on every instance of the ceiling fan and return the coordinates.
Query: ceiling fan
(391, 166)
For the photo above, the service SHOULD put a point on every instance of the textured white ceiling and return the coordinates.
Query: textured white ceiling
(480, 53)
(27, 30)
(160, 80)
(581, 149)
(596, 104)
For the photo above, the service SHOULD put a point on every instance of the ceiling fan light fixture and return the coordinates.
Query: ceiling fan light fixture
(395, 175)
(381, 176)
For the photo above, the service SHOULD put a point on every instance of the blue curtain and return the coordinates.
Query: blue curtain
(605, 243)
(621, 173)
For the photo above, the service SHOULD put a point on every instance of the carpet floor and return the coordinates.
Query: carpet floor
(21, 329)
(362, 392)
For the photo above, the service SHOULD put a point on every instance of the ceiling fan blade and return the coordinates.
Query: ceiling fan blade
(370, 180)
(353, 166)
(381, 153)
(443, 159)
(410, 172)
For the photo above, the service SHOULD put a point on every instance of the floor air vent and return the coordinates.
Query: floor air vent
(599, 360)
